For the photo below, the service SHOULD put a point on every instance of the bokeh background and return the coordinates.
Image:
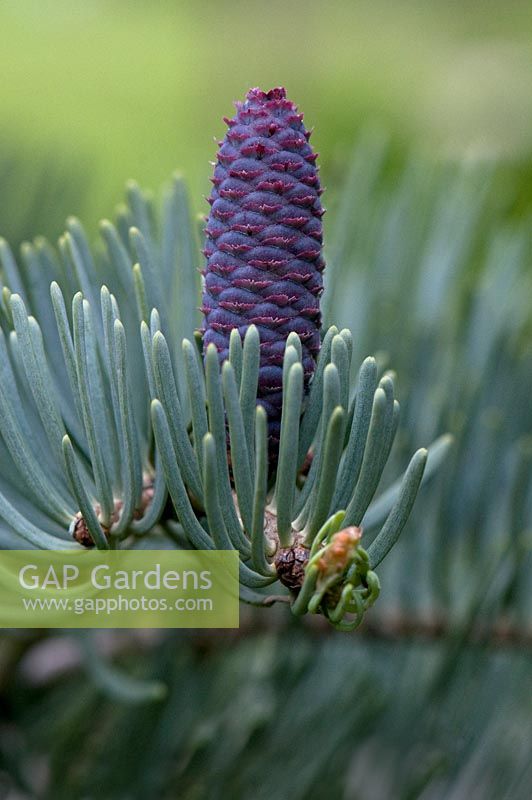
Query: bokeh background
(423, 118)
(94, 93)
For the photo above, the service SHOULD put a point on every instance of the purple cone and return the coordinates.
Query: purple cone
(264, 241)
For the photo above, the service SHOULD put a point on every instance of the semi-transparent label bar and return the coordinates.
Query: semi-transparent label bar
(119, 589)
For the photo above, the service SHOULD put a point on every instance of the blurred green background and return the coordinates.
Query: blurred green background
(93, 92)
(430, 265)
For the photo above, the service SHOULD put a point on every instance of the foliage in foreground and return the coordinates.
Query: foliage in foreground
(100, 421)
(432, 699)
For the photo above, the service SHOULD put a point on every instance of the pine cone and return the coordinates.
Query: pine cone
(264, 241)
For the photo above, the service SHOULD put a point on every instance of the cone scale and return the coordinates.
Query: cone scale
(264, 241)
